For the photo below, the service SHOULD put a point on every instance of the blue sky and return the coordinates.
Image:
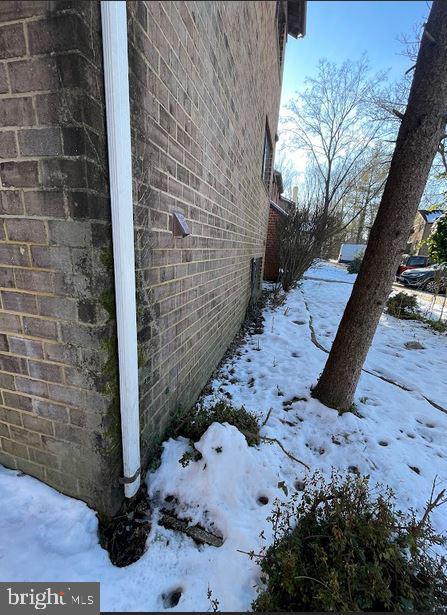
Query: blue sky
(341, 29)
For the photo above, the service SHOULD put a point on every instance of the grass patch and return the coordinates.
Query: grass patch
(194, 425)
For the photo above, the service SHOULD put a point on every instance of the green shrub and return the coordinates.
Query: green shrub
(349, 551)
(405, 306)
(440, 326)
(402, 305)
(355, 264)
(195, 425)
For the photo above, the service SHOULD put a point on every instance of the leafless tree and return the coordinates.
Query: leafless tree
(289, 174)
(360, 206)
(390, 107)
(420, 132)
(310, 232)
(330, 120)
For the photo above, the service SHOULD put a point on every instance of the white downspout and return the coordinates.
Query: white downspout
(116, 81)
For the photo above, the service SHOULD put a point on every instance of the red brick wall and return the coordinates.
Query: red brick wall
(271, 265)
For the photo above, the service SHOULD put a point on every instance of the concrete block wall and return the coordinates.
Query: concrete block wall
(58, 388)
(205, 79)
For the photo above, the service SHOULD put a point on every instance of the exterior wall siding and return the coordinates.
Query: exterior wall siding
(205, 77)
(204, 80)
(58, 398)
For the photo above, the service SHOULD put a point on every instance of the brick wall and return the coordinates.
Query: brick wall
(204, 78)
(271, 265)
(58, 378)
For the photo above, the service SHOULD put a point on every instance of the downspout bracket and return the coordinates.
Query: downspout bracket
(127, 480)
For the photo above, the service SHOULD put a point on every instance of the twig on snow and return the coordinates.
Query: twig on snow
(267, 418)
(276, 441)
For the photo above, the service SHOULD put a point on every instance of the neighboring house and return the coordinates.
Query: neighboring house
(280, 207)
(204, 81)
(422, 228)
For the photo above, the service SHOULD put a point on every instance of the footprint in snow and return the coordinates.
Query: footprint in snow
(172, 598)
(415, 469)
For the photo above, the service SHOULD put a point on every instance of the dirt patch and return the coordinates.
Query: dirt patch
(124, 535)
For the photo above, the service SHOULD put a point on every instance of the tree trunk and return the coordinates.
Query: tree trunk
(361, 227)
(419, 136)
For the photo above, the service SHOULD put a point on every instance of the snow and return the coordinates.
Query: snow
(433, 307)
(399, 439)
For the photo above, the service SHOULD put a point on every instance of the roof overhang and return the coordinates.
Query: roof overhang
(296, 18)
(277, 208)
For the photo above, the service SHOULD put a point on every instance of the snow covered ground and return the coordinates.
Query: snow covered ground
(400, 438)
(431, 306)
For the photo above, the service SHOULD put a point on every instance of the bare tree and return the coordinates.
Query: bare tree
(360, 205)
(420, 132)
(289, 174)
(331, 121)
(310, 232)
(390, 106)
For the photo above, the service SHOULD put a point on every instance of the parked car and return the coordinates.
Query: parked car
(433, 278)
(412, 262)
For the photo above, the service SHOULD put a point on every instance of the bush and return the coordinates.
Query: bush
(355, 264)
(302, 236)
(350, 552)
(192, 424)
(195, 425)
(440, 326)
(402, 305)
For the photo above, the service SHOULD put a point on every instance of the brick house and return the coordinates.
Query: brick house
(422, 228)
(279, 208)
(136, 152)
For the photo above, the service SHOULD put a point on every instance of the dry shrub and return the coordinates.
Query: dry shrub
(302, 237)
(195, 425)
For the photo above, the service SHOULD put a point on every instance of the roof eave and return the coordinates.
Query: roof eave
(296, 18)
